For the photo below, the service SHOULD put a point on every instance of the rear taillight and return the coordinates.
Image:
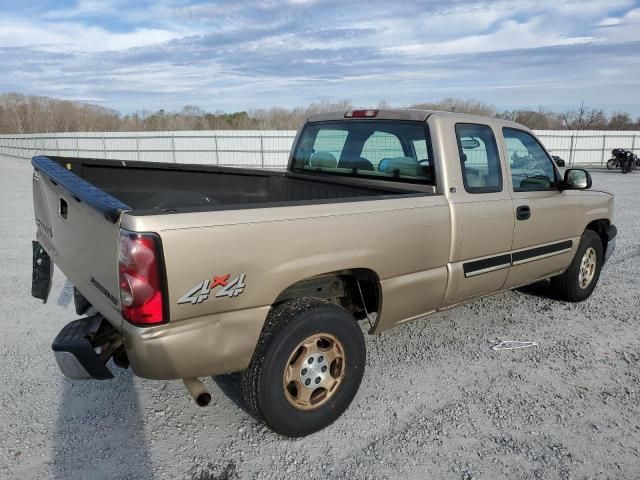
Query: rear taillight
(141, 293)
(361, 114)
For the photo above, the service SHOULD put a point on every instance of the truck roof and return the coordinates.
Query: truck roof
(417, 115)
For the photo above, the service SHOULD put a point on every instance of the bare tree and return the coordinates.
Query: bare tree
(474, 107)
(33, 114)
(536, 119)
(584, 118)
(15, 109)
(621, 121)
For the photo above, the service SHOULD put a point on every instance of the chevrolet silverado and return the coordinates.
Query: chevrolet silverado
(382, 217)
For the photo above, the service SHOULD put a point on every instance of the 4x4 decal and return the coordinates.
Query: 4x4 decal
(202, 291)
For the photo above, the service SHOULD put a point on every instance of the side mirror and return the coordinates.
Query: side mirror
(577, 179)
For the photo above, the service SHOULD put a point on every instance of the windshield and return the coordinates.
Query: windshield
(395, 150)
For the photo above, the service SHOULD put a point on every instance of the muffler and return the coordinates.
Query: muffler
(198, 391)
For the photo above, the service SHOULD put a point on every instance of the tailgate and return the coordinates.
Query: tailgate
(78, 226)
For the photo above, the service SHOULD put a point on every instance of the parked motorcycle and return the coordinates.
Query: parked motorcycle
(626, 160)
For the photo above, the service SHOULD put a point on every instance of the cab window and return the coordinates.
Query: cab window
(479, 158)
(331, 142)
(390, 150)
(381, 145)
(531, 167)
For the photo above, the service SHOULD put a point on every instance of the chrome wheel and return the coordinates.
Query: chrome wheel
(314, 371)
(587, 268)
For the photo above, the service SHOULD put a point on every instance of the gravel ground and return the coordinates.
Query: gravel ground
(436, 401)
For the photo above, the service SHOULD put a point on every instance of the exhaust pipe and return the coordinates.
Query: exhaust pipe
(198, 391)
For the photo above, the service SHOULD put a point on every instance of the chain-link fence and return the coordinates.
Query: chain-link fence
(263, 148)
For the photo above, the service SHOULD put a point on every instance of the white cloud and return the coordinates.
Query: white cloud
(621, 29)
(83, 99)
(586, 8)
(609, 22)
(271, 52)
(85, 8)
(511, 35)
(74, 37)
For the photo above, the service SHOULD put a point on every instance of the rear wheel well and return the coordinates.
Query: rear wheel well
(356, 290)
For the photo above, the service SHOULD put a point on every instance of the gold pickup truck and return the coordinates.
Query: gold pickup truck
(382, 217)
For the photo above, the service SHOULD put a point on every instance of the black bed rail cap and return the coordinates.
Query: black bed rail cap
(80, 189)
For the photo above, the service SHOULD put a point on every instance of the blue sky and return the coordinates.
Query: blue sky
(235, 55)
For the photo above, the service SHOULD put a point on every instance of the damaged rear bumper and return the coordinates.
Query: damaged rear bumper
(84, 346)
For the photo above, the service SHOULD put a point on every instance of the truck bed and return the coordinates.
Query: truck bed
(174, 188)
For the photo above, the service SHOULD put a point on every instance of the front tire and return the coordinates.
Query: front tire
(307, 367)
(612, 164)
(578, 282)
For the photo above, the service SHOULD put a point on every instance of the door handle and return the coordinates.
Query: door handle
(64, 209)
(523, 212)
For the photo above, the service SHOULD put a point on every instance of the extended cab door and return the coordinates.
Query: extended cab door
(545, 217)
(483, 215)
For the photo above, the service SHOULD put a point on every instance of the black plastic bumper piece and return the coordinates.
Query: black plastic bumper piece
(81, 303)
(74, 349)
(41, 273)
(611, 232)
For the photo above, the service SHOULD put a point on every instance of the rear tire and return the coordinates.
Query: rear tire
(612, 164)
(311, 333)
(578, 282)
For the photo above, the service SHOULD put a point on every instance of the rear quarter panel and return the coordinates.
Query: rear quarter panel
(404, 240)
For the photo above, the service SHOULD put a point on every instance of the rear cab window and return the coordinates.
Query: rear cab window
(391, 150)
(479, 158)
